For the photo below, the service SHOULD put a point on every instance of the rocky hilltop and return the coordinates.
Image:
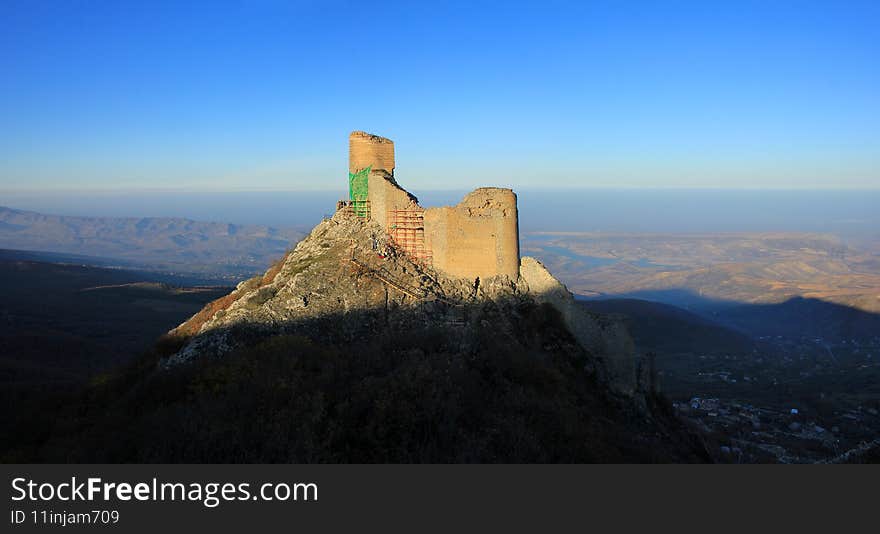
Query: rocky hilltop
(348, 350)
(347, 282)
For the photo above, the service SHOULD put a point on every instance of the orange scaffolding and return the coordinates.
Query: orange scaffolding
(407, 228)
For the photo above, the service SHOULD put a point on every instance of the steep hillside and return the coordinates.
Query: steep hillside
(63, 323)
(663, 328)
(348, 351)
(806, 317)
(350, 272)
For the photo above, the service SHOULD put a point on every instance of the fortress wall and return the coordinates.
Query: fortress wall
(385, 195)
(479, 237)
(367, 150)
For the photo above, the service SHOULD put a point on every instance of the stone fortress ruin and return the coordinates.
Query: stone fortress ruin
(350, 271)
(477, 238)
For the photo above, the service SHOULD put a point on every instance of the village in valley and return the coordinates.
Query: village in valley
(790, 401)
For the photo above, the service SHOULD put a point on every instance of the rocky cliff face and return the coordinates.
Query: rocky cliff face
(604, 336)
(346, 281)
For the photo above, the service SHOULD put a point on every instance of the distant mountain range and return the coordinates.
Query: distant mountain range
(162, 244)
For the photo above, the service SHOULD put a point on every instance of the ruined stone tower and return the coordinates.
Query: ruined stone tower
(477, 238)
(367, 150)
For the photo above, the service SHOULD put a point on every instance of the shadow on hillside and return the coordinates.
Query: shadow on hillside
(62, 323)
(491, 382)
(796, 317)
(666, 329)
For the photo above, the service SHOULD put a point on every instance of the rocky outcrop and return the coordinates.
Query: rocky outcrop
(348, 278)
(601, 335)
(346, 271)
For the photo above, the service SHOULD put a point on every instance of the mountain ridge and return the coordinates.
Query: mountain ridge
(166, 244)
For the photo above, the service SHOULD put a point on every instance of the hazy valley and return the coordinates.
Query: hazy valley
(769, 341)
(171, 246)
(714, 270)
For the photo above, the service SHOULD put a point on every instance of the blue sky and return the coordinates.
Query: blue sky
(263, 94)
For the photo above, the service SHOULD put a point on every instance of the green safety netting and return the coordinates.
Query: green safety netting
(357, 184)
(358, 191)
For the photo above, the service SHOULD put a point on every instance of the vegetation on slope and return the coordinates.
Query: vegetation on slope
(405, 397)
